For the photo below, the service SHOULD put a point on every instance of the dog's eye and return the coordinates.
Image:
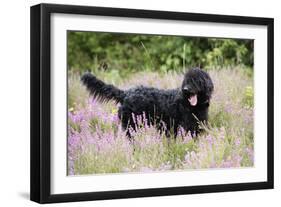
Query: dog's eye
(185, 88)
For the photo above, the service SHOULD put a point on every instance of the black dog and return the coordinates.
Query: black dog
(185, 106)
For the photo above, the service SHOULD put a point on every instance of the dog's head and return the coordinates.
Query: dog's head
(197, 87)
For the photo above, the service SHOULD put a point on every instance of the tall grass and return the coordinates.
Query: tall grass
(97, 144)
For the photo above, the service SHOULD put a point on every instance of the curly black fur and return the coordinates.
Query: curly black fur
(184, 106)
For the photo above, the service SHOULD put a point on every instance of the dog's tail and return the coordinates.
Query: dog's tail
(101, 91)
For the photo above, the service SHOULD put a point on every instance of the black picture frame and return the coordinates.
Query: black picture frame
(40, 176)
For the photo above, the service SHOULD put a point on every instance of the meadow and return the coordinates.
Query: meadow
(97, 144)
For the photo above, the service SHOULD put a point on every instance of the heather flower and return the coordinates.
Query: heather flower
(209, 139)
(237, 142)
(236, 160)
(186, 136)
(226, 164)
(165, 166)
(145, 169)
(97, 143)
(250, 153)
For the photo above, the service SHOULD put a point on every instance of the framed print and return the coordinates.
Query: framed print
(132, 103)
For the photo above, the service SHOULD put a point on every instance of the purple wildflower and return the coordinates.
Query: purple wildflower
(237, 141)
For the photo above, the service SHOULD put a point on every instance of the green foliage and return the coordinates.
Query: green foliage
(248, 99)
(131, 52)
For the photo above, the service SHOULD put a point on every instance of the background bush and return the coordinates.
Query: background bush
(129, 53)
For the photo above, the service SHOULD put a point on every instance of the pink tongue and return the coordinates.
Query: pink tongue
(193, 100)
